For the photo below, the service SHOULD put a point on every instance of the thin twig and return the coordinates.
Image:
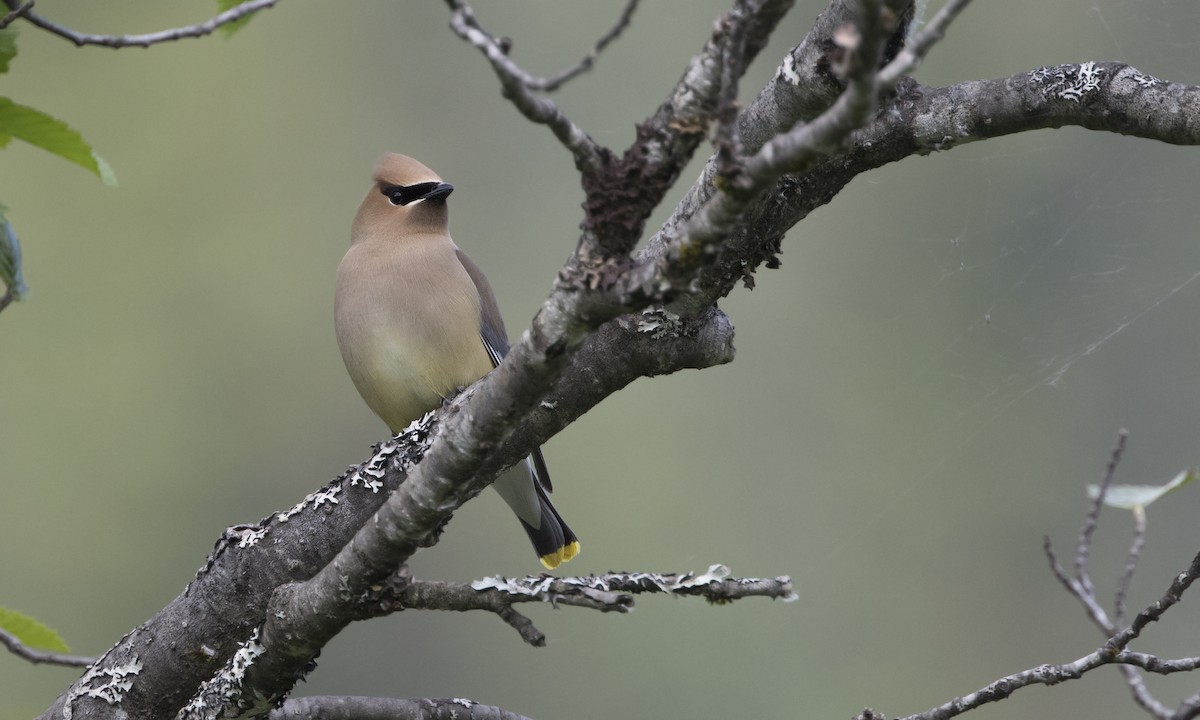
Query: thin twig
(1141, 693)
(1155, 610)
(20, 649)
(1073, 586)
(1113, 652)
(1189, 708)
(915, 50)
(6, 298)
(1081, 587)
(1131, 561)
(516, 88)
(119, 41)
(727, 140)
(16, 12)
(1155, 664)
(554, 83)
(1084, 546)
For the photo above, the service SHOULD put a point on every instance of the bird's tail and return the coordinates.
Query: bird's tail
(525, 489)
(553, 541)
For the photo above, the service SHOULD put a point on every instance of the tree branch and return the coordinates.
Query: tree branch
(119, 41)
(16, 12)
(1092, 518)
(465, 15)
(1113, 652)
(33, 655)
(303, 616)
(611, 592)
(593, 335)
(518, 87)
(331, 707)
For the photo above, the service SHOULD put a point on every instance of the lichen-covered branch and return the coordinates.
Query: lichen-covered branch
(80, 39)
(335, 707)
(611, 592)
(302, 617)
(261, 610)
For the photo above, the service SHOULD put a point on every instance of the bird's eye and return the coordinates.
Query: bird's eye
(404, 194)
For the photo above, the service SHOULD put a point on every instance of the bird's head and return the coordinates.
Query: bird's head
(405, 197)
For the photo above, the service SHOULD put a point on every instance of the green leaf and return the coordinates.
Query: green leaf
(1128, 497)
(10, 259)
(228, 29)
(37, 128)
(8, 47)
(31, 632)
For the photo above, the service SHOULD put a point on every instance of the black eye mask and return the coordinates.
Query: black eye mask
(405, 194)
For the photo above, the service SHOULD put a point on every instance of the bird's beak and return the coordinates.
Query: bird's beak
(439, 192)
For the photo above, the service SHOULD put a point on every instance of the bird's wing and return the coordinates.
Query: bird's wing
(495, 341)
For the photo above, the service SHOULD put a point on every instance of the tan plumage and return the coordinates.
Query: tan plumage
(416, 320)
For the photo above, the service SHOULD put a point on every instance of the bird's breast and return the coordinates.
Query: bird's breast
(408, 327)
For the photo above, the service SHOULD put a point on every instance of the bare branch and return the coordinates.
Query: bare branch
(1155, 664)
(519, 74)
(918, 47)
(1073, 586)
(1189, 708)
(1004, 687)
(333, 707)
(1113, 652)
(1141, 693)
(1083, 547)
(554, 83)
(1131, 561)
(21, 650)
(119, 41)
(517, 87)
(1154, 611)
(16, 12)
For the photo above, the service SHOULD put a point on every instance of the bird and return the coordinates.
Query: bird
(416, 321)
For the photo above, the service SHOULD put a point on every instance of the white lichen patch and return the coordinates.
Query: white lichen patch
(399, 452)
(224, 690)
(531, 586)
(716, 573)
(313, 500)
(1144, 80)
(106, 683)
(1068, 82)
(249, 536)
(788, 72)
(244, 657)
(370, 474)
(660, 323)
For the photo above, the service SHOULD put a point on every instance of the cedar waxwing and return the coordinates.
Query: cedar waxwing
(417, 321)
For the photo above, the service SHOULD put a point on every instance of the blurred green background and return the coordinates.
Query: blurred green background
(921, 392)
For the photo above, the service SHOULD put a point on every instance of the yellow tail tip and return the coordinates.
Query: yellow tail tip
(560, 556)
